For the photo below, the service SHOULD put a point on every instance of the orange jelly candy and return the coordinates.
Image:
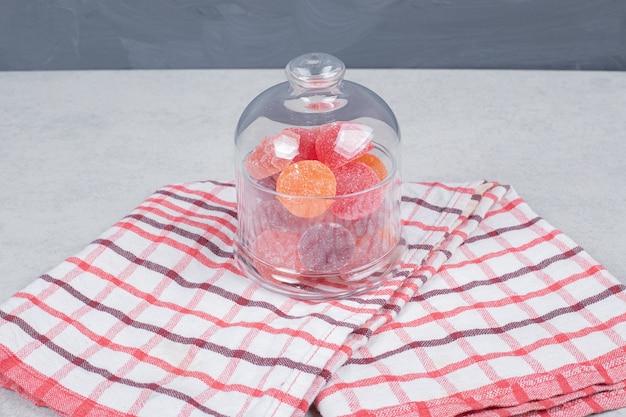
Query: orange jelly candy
(307, 181)
(375, 163)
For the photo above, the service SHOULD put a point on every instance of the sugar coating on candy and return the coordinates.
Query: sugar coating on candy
(373, 246)
(326, 247)
(367, 225)
(272, 155)
(271, 214)
(276, 249)
(268, 183)
(306, 179)
(356, 177)
(375, 163)
(341, 142)
(308, 136)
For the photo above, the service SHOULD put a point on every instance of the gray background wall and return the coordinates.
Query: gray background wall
(121, 34)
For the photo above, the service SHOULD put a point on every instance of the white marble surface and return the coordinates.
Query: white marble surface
(79, 150)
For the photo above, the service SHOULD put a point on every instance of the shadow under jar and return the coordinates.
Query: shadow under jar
(318, 184)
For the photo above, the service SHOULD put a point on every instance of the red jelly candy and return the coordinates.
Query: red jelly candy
(355, 177)
(275, 249)
(326, 247)
(341, 142)
(272, 155)
(308, 137)
(323, 106)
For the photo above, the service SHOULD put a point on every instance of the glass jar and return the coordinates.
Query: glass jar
(318, 179)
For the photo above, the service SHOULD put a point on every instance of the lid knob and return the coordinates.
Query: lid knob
(315, 71)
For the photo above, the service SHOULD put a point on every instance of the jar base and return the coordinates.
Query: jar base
(318, 286)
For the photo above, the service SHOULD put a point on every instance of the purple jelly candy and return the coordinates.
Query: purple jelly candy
(326, 247)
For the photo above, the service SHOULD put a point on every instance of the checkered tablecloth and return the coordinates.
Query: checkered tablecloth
(492, 311)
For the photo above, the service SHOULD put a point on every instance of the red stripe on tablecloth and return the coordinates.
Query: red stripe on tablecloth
(592, 392)
(46, 387)
(495, 303)
(186, 215)
(206, 195)
(43, 386)
(200, 240)
(185, 249)
(424, 226)
(166, 334)
(504, 277)
(193, 251)
(470, 360)
(17, 376)
(448, 187)
(495, 254)
(506, 208)
(216, 232)
(209, 287)
(468, 333)
(98, 339)
(546, 389)
(200, 203)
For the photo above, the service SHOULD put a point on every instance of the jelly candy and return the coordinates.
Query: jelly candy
(323, 106)
(308, 137)
(274, 153)
(353, 178)
(340, 142)
(268, 183)
(373, 246)
(273, 249)
(366, 225)
(271, 214)
(326, 247)
(375, 163)
(306, 179)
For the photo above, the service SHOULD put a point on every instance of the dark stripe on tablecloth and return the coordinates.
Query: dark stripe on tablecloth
(104, 373)
(452, 337)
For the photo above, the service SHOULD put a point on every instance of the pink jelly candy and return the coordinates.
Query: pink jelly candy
(373, 246)
(367, 225)
(308, 137)
(271, 214)
(275, 249)
(326, 247)
(340, 142)
(272, 155)
(355, 177)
